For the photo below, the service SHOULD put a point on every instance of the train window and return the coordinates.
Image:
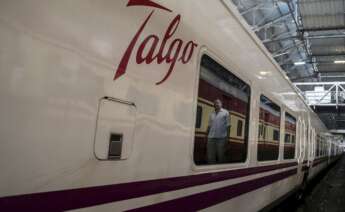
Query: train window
(268, 145)
(223, 133)
(321, 146)
(317, 145)
(276, 135)
(239, 128)
(260, 130)
(198, 116)
(290, 133)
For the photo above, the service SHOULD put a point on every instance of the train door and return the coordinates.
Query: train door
(312, 144)
(305, 142)
(308, 142)
(328, 149)
(300, 139)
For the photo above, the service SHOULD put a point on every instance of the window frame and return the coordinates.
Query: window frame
(277, 103)
(198, 122)
(287, 111)
(200, 168)
(276, 135)
(239, 130)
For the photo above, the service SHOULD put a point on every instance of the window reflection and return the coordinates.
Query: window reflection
(269, 119)
(221, 132)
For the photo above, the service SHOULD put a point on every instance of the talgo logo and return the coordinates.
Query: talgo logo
(176, 51)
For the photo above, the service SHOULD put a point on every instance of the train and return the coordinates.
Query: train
(105, 107)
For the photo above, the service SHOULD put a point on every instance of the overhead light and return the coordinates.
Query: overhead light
(299, 63)
(339, 61)
(264, 73)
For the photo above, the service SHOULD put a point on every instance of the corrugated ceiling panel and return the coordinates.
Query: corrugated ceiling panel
(331, 68)
(318, 14)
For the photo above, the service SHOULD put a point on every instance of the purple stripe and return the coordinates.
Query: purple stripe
(304, 168)
(319, 159)
(91, 196)
(209, 198)
(319, 162)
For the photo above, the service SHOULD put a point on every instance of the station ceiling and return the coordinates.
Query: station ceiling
(307, 39)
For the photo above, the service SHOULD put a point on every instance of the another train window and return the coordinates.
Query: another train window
(198, 116)
(261, 130)
(318, 142)
(268, 143)
(290, 135)
(222, 135)
(239, 127)
(276, 135)
(321, 147)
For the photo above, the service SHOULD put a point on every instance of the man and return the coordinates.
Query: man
(218, 131)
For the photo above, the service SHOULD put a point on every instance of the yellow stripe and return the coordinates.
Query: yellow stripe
(201, 100)
(239, 142)
(289, 131)
(269, 124)
(269, 142)
(232, 140)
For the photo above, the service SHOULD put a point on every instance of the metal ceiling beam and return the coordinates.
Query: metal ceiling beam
(253, 8)
(328, 55)
(333, 76)
(258, 28)
(285, 49)
(317, 62)
(320, 71)
(318, 83)
(312, 76)
(281, 39)
(324, 36)
(332, 96)
(321, 29)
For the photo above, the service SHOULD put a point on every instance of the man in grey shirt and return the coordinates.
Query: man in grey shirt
(217, 133)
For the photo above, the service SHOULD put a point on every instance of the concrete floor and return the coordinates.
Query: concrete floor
(329, 194)
(325, 194)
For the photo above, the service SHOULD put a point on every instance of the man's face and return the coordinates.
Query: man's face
(217, 105)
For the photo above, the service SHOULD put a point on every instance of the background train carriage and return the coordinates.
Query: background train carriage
(269, 130)
(290, 136)
(217, 83)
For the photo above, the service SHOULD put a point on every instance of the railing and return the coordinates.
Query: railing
(322, 93)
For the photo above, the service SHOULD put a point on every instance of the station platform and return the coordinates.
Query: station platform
(325, 193)
(329, 193)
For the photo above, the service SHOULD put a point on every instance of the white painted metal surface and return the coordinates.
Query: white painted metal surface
(58, 59)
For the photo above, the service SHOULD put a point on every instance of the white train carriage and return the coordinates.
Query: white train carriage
(99, 109)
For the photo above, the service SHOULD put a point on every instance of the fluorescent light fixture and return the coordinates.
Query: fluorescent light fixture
(264, 73)
(299, 63)
(339, 61)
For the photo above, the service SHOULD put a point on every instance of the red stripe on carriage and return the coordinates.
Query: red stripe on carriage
(91, 196)
(209, 198)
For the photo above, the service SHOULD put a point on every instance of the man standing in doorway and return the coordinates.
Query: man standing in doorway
(218, 132)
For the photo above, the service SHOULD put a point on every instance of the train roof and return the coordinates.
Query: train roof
(246, 56)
